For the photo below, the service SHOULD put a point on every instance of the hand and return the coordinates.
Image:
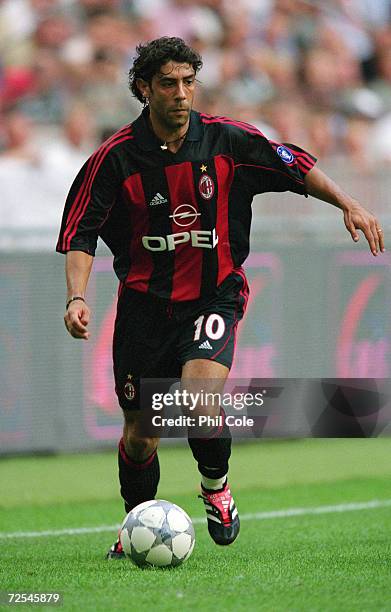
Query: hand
(357, 217)
(77, 318)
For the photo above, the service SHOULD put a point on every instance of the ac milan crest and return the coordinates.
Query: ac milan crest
(206, 187)
(129, 390)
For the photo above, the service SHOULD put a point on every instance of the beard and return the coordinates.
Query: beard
(172, 120)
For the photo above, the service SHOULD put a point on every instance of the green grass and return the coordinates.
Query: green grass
(325, 562)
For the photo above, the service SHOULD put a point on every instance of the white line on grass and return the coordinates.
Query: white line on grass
(256, 516)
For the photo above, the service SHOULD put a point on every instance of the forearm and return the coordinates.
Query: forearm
(320, 186)
(77, 269)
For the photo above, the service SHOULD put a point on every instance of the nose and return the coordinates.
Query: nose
(180, 92)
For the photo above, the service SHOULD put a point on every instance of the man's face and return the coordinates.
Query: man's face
(171, 94)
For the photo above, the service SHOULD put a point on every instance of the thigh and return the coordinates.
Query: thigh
(143, 343)
(205, 380)
(211, 332)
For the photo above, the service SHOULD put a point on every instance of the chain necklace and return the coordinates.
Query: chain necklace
(164, 146)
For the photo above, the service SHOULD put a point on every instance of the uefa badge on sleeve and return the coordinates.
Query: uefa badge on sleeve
(285, 154)
(129, 390)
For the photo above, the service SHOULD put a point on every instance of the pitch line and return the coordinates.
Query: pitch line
(256, 516)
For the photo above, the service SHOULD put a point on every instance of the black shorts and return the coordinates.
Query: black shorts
(154, 338)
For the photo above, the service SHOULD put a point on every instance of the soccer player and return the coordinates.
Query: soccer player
(170, 194)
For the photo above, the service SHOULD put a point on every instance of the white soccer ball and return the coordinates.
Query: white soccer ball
(157, 533)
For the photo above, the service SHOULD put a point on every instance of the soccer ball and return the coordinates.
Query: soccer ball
(158, 533)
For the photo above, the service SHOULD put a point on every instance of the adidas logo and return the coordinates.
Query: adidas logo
(158, 199)
(206, 345)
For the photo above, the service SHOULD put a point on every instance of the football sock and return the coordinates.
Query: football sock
(138, 480)
(212, 454)
(213, 484)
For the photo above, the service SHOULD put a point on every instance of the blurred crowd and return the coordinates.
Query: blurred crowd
(316, 73)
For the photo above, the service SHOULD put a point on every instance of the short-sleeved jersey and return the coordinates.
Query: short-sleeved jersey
(177, 224)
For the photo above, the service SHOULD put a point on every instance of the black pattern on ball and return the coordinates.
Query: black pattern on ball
(157, 533)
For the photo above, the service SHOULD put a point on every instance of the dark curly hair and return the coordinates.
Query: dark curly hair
(151, 56)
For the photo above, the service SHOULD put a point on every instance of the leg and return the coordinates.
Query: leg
(132, 356)
(139, 471)
(139, 351)
(213, 449)
(206, 350)
(138, 463)
(212, 453)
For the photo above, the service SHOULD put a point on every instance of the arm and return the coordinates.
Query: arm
(88, 205)
(356, 216)
(271, 166)
(77, 269)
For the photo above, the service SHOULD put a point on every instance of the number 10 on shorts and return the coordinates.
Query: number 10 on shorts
(214, 326)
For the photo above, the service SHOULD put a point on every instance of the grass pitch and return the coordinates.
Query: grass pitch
(334, 561)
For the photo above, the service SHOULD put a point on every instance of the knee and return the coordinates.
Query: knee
(137, 447)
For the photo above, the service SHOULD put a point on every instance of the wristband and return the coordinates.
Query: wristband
(76, 297)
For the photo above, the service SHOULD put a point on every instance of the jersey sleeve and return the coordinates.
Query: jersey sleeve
(88, 204)
(266, 165)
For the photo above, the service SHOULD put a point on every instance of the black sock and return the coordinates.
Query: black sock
(212, 454)
(139, 481)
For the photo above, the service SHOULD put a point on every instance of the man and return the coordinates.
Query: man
(171, 196)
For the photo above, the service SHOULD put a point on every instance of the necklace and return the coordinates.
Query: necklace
(167, 142)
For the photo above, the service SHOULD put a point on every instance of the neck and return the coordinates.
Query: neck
(172, 138)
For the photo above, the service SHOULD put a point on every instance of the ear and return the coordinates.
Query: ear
(143, 87)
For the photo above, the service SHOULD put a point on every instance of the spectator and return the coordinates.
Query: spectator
(18, 138)
(106, 95)
(382, 84)
(46, 165)
(45, 103)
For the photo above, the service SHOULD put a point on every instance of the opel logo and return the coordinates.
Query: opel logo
(185, 215)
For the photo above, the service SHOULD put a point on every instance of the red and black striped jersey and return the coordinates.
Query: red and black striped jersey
(177, 224)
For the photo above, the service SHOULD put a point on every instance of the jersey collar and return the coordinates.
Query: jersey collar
(147, 140)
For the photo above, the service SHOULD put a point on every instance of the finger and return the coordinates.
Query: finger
(350, 227)
(380, 234)
(84, 317)
(79, 313)
(79, 335)
(73, 331)
(353, 232)
(76, 324)
(375, 235)
(370, 238)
